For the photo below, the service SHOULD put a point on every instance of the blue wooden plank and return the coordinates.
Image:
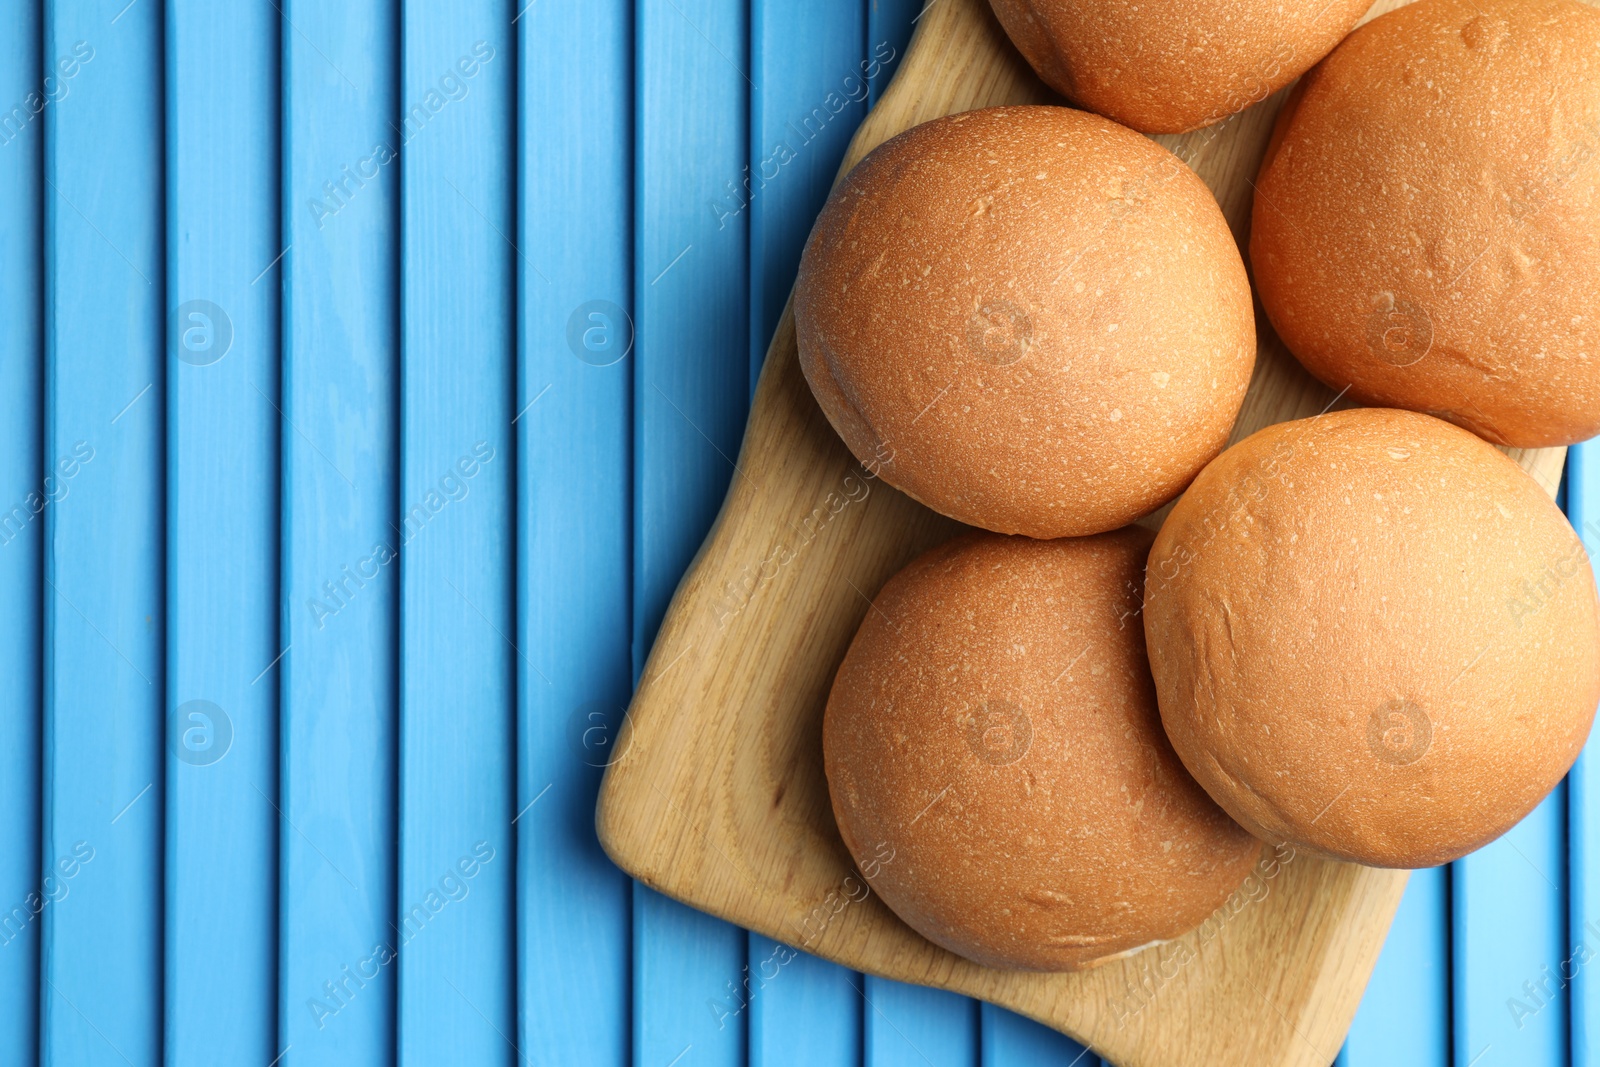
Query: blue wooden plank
(104, 611)
(802, 1010)
(1582, 958)
(1405, 1013)
(913, 1026)
(22, 896)
(810, 69)
(691, 390)
(889, 27)
(456, 874)
(1008, 1038)
(1509, 915)
(574, 427)
(222, 534)
(690, 991)
(340, 511)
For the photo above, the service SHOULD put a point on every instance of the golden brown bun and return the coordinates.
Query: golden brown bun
(997, 764)
(1427, 227)
(1167, 66)
(1032, 319)
(1373, 636)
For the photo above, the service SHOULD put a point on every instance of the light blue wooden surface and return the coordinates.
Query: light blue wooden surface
(457, 669)
(911, 1026)
(1580, 959)
(104, 608)
(574, 594)
(1509, 925)
(1404, 1016)
(563, 279)
(340, 627)
(22, 897)
(1009, 1038)
(222, 380)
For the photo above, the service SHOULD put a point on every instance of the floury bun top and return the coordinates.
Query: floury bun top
(994, 726)
(1166, 66)
(1039, 316)
(1373, 636)
(1427, 219)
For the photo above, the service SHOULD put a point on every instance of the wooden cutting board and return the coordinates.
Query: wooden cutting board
(716, 795)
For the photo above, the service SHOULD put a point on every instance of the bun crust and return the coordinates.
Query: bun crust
(1427, 227)
(997, 765)
(1031, 319)
(1373, 636)
(1168, 66)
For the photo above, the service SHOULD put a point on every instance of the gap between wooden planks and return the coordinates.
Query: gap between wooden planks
(717, 797)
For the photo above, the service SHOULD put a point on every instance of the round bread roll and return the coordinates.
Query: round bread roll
(1167, 66)
(1427, 220)
(1373, 636)
(997, 764)
(1027, 318)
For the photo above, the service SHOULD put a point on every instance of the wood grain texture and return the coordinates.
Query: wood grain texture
(339, 501)
(574, 417)
(104, 540)
(222, 533)
(718, 798)
(456, 771)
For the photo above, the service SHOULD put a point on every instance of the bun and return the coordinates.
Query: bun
(1373, 637)
(1427, 226)
(997, 764)
(1168, 66)
(1029, 319)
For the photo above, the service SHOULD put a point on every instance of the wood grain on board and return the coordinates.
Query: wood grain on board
(717, 796)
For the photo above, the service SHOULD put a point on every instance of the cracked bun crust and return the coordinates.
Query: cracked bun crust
(1373, 636)
(1427, 219)
(997, 765)
(1168, 66)
(1029, 319)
